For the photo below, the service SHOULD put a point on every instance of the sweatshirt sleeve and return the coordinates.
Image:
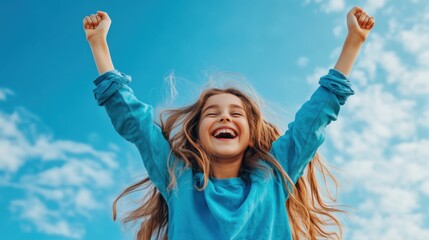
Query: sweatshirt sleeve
(133, 120)
(297, 147)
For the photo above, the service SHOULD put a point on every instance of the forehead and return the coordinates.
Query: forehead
(223, 99)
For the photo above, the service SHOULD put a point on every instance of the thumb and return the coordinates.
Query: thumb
(103, 15)
(355, 10)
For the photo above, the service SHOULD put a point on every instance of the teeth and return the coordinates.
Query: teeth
(224, 130)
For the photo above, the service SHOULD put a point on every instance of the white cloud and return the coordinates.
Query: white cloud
(423, 58)
(378, 117)
(381, 227)
(314, 78)
(13, 144)
(329, 5)
(397, 200)
(86, 200)
(381, 137)
(385, 161)
(372, 6)
(43, 219)
(359, 77)
(11, 156)
(75, 172)
(425, 187)
(71, 178)
(409, 78)
(415, 40)
(334, 6)
(384, 114)
(47, 149)
(4, 92)
(423, 118)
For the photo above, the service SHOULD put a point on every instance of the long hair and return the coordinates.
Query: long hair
(310, 216)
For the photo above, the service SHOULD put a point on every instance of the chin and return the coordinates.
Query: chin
(226, 155)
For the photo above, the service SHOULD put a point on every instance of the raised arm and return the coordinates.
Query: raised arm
(359, 25)
(295, 149)
(96, 27)
(132, 119)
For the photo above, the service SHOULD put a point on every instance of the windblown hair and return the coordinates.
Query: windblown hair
(310, 215)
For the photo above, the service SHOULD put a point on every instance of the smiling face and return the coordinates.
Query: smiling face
(223, 129)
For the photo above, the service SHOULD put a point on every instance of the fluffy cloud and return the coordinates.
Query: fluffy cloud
(381, 137)
(329, 6)
(333, 6)
(45, 220)
(372, 6)
(13, 143)
(70, 178)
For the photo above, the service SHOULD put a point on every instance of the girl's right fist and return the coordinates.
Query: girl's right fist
(96, 26)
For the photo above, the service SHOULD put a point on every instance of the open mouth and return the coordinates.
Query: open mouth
(224, 133)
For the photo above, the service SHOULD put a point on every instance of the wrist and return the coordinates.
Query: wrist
(355, 39)
(94, 41)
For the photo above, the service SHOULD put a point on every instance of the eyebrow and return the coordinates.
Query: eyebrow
(217, 106)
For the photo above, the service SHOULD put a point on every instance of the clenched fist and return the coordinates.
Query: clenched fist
(96, 26)
(359, 23)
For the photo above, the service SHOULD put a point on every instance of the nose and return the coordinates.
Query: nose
(225, 118)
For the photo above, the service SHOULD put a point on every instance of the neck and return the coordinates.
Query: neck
(227, 168)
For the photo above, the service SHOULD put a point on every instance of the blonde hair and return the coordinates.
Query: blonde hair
(309, 214)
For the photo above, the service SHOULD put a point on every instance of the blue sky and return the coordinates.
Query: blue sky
(62, 164)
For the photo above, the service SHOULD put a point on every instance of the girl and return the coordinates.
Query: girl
(220, 170)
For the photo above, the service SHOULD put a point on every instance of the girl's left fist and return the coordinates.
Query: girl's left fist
(359, 22)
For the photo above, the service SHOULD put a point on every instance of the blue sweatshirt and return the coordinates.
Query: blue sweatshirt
(227, 208)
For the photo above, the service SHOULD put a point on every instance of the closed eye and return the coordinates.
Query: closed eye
(211, 114)
(236, 114)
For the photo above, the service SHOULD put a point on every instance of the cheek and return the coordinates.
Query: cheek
(246, 126)
(249, 132)
(203, 136)
(202, 129)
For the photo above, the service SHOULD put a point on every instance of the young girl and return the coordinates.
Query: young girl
(220, 170)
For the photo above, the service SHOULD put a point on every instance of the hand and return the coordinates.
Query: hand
(359, 23)
(96, 26)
